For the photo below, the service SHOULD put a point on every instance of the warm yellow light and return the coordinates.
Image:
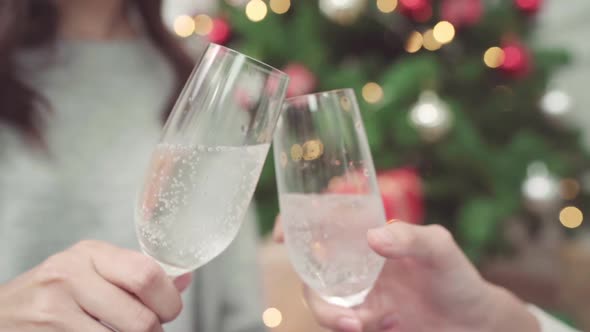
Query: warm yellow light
(444, 32)
(414, 43)
(312, 149)
(493, 57)
(372, 93)
(570, 188)
(430, 43)
(203, 25)
(296, 152)
(571, 217)
(256, 10)
(272, 317)
(184, 25)
(280, 6)
(386, 6)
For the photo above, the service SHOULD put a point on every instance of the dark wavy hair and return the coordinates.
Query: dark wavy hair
(34, 23)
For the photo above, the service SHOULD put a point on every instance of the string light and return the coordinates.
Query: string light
(571, 217)
(570, 189)
(430, 43)
(280, 6)
(444, 32)
(272, 317)
(386, 6)
(414, 43)
(372, 93)
(493, 57)
(256, 10)
(184, 25)
(203, 24)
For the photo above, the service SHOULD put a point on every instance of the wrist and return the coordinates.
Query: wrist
(508, 313)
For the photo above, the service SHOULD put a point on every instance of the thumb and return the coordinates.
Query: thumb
(182, 282)
(402, 240)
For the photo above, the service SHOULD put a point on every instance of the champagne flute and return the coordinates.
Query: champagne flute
(205, 168)
(328, 195)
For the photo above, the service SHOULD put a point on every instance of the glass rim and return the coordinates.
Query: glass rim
(263, 66)
(290, 100)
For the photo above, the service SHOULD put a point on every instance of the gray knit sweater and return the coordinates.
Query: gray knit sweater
(106, 99)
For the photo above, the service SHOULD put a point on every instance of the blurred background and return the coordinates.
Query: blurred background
(476, 117)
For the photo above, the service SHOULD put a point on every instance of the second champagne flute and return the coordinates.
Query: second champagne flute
(204, 170)
(328, 195)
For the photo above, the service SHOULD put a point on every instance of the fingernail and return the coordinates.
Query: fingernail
(349, 324)
(387, 323)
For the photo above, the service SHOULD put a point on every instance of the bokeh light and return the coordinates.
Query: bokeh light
(571, 217)
(569, 189)
(312, 149)
(444, 32)
(414, 43)
(386, 6)
(372, 93)
(203, 24)
(296, 152)
(493, 57)
(272, 317)
(256, 10)
(430, 43)
(184, 25)
(556, 102)
(280, 6)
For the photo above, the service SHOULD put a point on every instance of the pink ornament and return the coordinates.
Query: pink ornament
(302, 80)
(528, 6)
(221, 31)
(462, 12)
(417, 10)
(414, 5)
(517, 59)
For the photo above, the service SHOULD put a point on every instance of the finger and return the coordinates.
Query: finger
(81, 321)
(137, 274)
(277, 233)
(76, 320)
(182, 282)
(115, 307)
(331, 316)
(429, 244)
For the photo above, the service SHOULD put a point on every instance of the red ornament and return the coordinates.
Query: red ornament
(517, 59)
(221, 31)
(462, 12)
(302, 80)
(401, 191)
(414, 5)
(529, 6)
(418, 10)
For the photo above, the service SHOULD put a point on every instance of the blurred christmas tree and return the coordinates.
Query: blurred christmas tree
(450, 90)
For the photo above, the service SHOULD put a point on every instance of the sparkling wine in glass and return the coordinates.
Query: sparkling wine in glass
(328, 195)
(205, 168)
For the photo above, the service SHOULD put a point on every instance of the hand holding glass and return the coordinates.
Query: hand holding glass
(328, 195)
(205, 169)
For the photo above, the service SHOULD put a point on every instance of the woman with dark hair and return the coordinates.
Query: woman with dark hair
(84, 88)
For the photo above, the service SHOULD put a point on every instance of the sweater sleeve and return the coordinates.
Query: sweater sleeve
(242, 294)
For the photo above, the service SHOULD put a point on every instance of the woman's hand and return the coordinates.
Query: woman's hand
(426, 285)
(89, 287)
